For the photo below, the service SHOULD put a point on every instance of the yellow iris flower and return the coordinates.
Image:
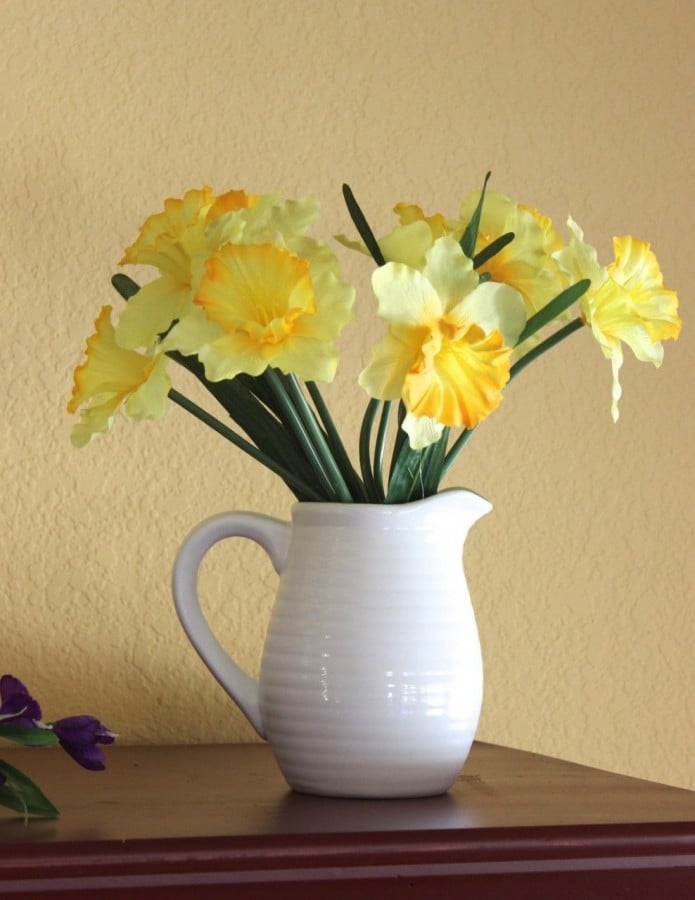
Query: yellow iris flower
(112, 376)
(450, 339)
(626, 303)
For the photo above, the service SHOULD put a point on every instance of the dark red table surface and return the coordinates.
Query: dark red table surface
(197, 821)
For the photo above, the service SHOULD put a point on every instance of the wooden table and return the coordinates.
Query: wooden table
(219, 821)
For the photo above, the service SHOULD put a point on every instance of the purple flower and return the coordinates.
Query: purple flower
(17, 706)
(79, 736)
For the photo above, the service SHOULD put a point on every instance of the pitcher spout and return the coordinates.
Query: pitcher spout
(460, 505)
(475, 507)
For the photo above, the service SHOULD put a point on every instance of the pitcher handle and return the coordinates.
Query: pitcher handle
(273, 536)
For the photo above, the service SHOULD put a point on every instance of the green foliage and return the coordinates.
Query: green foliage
(19, 793)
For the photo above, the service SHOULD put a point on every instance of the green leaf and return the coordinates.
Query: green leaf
(21, 794)
(379, 448)
(544, 346)
(238, 398)
(303, 491)
(492, 249)
(434, 464)
(296, 422)
(337, 447)
(401, 438)
(362, 226)
(456, 448)
(28, 737)
(470, 235)
(406, 475)
(125, 286)
(555, 308)
(365, 450)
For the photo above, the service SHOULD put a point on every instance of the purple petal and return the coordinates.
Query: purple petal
(18, 703)
(89, 757)
(10, 685)
(79, 735)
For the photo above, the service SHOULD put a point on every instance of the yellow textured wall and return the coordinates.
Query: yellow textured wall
(582, 577)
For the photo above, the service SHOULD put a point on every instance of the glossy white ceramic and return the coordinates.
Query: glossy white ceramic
(371, 677)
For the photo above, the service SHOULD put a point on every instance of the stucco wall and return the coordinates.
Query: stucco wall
(582, 578)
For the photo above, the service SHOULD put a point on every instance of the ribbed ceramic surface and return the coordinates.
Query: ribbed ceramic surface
(371, 680)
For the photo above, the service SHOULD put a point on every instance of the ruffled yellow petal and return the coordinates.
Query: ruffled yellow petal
(169, 226)
(270, 311)
(111, 376)
(231, 201)
(526, 264)
(177, 242)
(445, 365)
(637, 270)
(580, 260)
(626, 302)
(463, 382)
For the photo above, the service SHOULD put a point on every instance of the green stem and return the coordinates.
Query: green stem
(554, 309)
(299, 487)
(434, 470)
(296, 424)
(365, 457)
(379, 449)
(544, 346)
(318, 439)
(456, 448)
(400, 438)
(335, 443)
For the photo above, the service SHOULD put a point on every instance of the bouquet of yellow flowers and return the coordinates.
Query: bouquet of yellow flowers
(253, 306)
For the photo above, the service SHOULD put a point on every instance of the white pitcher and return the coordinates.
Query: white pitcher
(371, 676)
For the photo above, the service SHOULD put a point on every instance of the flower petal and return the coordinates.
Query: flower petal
(422, 431)
(445, 365)
(494, 307)
(405, 296)
(464, 382)
(17, 706)
(79, 735)
(271, 311)
(407, 244)
(392, 358)
(111, 376)
(150, 312)
(450, 272)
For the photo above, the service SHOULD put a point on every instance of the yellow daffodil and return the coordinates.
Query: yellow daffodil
(526, 262)
(261, 305)
(626, 303)
(410, 240)
(112, 376)
(177, 243)
(448, 348)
